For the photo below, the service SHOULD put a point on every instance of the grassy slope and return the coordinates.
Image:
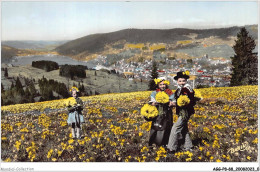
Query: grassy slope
(102, 83)
(116, 131)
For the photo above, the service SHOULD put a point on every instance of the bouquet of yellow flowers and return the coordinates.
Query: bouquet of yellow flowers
(162, 97)
(149, 111)
(183, 100)
(71, 101)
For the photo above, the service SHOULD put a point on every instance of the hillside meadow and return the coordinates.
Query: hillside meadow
(223, 129)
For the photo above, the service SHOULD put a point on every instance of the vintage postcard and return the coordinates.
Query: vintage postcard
(129, 85)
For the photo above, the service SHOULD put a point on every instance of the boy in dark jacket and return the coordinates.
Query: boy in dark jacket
(179, 131)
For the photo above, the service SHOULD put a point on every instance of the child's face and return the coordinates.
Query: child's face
(181, 81)
(74, 94)
(162, 85)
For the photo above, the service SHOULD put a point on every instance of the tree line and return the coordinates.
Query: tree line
(27, 93)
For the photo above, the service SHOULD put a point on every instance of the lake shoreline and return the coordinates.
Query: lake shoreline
(61, 60)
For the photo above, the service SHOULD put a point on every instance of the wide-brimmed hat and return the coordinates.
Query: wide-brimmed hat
(182, 74)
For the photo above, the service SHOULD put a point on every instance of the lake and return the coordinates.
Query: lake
(61, 60)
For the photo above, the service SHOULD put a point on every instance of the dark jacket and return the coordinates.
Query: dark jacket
(190, 93)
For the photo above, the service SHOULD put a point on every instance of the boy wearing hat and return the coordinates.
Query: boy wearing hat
(179, 132)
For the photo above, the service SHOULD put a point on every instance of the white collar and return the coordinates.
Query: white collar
(186, 85)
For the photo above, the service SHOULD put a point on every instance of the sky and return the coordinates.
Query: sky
(67, 20)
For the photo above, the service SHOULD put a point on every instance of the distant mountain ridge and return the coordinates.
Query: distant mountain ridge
(32, 44)
(96, 42)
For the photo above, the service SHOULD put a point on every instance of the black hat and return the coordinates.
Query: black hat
(182, 74)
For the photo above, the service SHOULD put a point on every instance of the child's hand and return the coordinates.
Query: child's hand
(172, 103)
(154, 103)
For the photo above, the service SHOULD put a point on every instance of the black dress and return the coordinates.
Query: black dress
(161, 125)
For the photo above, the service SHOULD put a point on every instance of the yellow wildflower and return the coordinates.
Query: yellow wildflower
(70, 141)
(183, 100)
(22, 137)
(17, 145)
(201, 148)
(72, 88)
(7, 160)
(157, 80)
(228, 157)
(188, 159)
(208, 153)
(167, 82)
(162, 97)
(144, 149)
(49, 153)
(186, 73)
(59, 153)
(82, 156)
(255, 141)
(81, 142)
(24, 130)
(149, 111)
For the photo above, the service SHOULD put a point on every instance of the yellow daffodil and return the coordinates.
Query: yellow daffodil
(166, 82)
(149, 111)
(186, 73)
(157, 80)
(162, 97)
(183, 100)
(7, 160)
(255, 141)
(17, 145)
(49, 153)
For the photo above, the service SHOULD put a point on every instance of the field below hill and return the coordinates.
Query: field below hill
(223, 129)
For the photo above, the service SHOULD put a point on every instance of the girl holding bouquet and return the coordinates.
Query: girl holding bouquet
(184, 109)
(75, 118)
(159, 111)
